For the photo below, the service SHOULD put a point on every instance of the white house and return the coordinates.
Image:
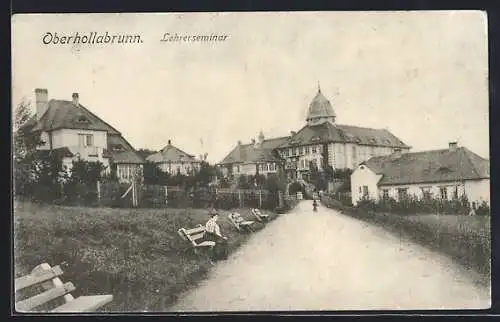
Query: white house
(444, 173)
(73, 131)
(173, 160)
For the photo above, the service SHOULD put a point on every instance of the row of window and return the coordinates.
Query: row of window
(426, 192)
(267, 167)
(302, 150)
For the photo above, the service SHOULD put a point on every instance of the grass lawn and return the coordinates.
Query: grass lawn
(134, 254)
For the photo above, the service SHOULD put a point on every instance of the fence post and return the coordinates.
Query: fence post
(260, 198)
(98, 192)
(239, 197)
(166, 196)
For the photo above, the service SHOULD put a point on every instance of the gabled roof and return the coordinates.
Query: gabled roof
(171, 153)
(430, 166)
(250, 153)
(120, 151)
(63, 114)
(327, 132)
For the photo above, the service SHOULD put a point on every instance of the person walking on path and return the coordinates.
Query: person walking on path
(212, 233)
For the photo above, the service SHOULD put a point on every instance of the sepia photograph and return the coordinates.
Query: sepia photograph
(250, 162)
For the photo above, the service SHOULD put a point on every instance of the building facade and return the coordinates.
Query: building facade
(258, 157)
(174, 161)
(74, 132)
(445, 174)
(321, 142)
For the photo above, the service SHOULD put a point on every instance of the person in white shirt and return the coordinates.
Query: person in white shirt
(212, 233)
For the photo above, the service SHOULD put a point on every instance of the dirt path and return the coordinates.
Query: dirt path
(328, 261)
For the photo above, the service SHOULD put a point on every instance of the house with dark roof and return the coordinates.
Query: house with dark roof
(444, 173)
(173, 160)
(258, 157)
(73, 131)
(320, 142)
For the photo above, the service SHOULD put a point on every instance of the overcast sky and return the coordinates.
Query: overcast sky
(422, 75)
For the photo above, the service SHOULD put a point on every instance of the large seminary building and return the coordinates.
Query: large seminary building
(320, 142)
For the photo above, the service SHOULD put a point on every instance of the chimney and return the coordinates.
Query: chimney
(452, 146)
(76, 99)
(42, 102)
(397, 153)
(261, 137)
(253, 141)
(169, 142)
(239, 142)
(292, 133)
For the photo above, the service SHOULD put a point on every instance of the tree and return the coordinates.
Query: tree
(206, 174)
(24, 151)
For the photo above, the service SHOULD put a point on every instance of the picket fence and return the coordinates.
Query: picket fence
(113, 194)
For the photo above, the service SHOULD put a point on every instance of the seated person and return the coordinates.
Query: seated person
(212, 233)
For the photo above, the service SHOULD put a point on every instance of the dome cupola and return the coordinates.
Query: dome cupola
(320, 110)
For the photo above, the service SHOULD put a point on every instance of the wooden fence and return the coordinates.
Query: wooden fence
(113, 194)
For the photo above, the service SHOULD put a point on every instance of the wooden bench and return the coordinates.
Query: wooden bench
(193, 236)
(53, 289)
(240, 223)
(259, 215)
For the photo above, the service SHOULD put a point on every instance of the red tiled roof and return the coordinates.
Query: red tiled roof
(430, 166)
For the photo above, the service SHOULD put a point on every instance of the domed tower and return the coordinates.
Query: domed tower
(320, 110)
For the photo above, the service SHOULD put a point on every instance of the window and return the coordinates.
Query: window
(455, 192)
(238, 168)
(444, 193)
(117, 147)
(307, 149)
(294, 151)
(365, 191)
(320, 149)
(301, 151)
(83, 119)
(85, 139)
(313, 149)
(426, 192)
(402, 193)
(385, 194)
(290, 152)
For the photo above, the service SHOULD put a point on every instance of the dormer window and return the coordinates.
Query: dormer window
(82, 119)
(444, 169)
(117, 147)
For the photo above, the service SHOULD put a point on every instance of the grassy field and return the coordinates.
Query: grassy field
(134, 254)
(467, 239)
